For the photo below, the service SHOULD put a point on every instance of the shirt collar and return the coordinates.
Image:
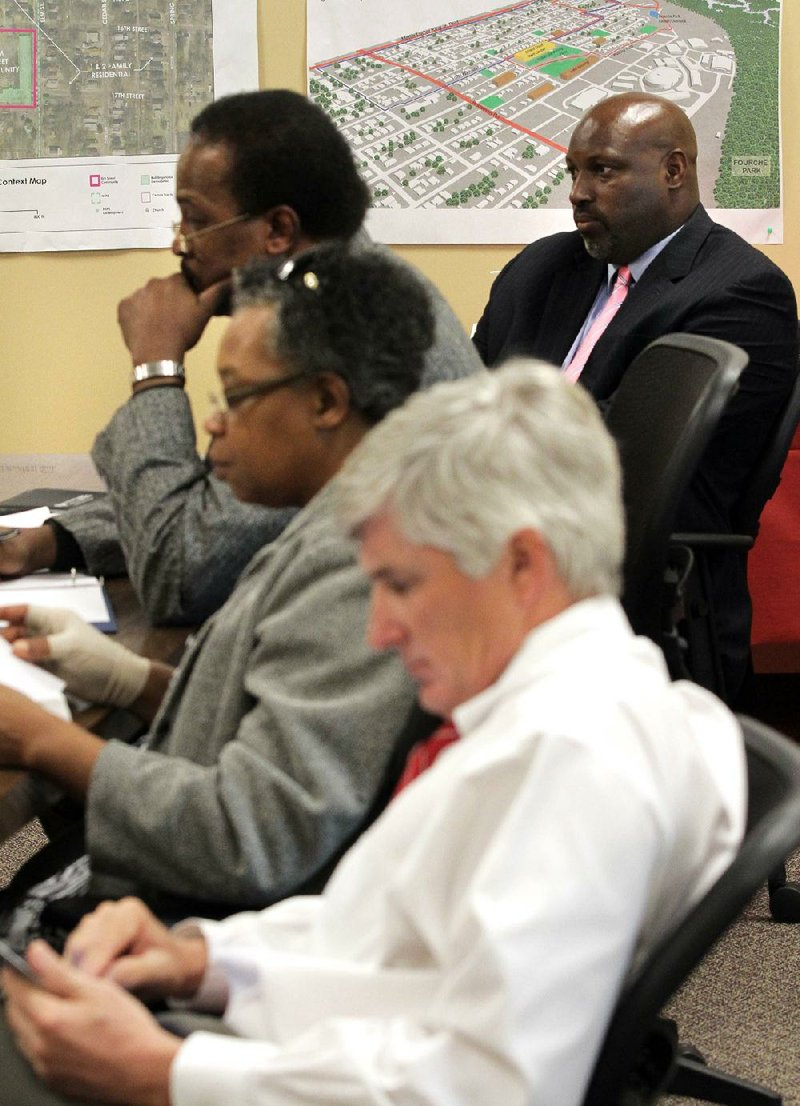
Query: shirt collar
(640, 264)
(542, 650)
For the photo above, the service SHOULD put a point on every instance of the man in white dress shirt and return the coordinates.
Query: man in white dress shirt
(470, 947)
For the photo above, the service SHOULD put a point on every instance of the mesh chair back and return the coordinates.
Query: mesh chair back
(662, 415)
(773, 831)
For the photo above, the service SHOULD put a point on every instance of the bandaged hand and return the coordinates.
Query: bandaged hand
(92, 665)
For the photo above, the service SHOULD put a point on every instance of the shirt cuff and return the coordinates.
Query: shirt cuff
(211, 996)
(209, 1069)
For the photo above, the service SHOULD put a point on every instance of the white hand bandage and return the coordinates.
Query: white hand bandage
(92, 666)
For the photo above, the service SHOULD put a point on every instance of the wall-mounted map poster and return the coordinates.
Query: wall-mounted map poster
(460, 113)
(96, 97)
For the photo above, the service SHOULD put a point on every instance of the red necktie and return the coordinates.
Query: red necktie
(619, 290)
(424, 753)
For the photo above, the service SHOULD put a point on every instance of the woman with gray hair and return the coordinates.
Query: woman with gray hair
(470, 946)
(271, 738)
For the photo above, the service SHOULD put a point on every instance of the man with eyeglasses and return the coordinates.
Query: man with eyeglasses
(263, 174)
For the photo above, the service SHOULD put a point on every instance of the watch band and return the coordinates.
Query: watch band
(149, 370)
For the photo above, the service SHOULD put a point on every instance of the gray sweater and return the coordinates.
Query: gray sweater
(270, 743)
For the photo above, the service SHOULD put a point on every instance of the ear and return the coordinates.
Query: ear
(282, 231)
(530, 564)
(331, 399)
(675, 166)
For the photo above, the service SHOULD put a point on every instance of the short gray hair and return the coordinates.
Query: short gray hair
(468, 463)
(357, 313)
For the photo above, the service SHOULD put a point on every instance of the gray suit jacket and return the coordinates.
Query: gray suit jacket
(271, 742)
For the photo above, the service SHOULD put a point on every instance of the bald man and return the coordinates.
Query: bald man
(636, 203)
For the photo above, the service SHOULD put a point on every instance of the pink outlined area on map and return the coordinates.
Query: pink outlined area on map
(32, 103)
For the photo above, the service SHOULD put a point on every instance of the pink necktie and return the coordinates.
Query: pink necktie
(619, 291)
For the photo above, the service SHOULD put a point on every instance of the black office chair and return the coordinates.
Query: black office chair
(662, 415)
(641, 1058)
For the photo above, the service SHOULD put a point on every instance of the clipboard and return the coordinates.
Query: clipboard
(76, 591)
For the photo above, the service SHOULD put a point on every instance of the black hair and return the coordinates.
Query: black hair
(362, 314)
(286, 150)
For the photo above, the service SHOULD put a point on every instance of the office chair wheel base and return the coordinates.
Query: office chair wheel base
(691, 1052)
(784, 903)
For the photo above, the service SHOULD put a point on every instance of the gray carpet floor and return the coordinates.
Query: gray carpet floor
(19, 848)
(741, 1008)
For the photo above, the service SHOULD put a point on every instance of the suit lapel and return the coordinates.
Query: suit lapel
(569, 299)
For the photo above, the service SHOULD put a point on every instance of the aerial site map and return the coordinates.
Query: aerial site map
(475, 113)
(96, 97)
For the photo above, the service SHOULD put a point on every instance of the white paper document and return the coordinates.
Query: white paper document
(43, 687)
(34, 516)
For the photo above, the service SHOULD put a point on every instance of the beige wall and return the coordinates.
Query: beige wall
(64, 366)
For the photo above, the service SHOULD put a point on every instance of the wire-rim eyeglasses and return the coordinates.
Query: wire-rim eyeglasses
(184, 240)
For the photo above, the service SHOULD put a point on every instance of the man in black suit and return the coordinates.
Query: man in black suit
(636, 203)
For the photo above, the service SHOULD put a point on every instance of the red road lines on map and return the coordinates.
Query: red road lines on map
(466, 99)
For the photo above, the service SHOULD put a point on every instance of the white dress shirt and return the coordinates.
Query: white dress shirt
(469, 948)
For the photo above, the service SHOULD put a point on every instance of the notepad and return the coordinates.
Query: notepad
(75, 591)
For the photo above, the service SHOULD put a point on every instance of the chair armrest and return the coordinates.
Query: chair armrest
(713, 541)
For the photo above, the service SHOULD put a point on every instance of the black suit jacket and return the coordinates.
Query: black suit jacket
(708, 281)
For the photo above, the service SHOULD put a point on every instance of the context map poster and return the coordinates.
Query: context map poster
(96, 97)
(460, 113)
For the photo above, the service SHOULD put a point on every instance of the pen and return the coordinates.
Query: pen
(6, 534)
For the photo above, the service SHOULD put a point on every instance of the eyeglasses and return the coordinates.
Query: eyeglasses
(184, 240)
(235, 397)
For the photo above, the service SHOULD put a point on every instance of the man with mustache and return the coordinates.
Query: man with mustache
(640, 224)
(263, 174)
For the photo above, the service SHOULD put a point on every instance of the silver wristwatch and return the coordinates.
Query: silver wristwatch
(149, 370)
